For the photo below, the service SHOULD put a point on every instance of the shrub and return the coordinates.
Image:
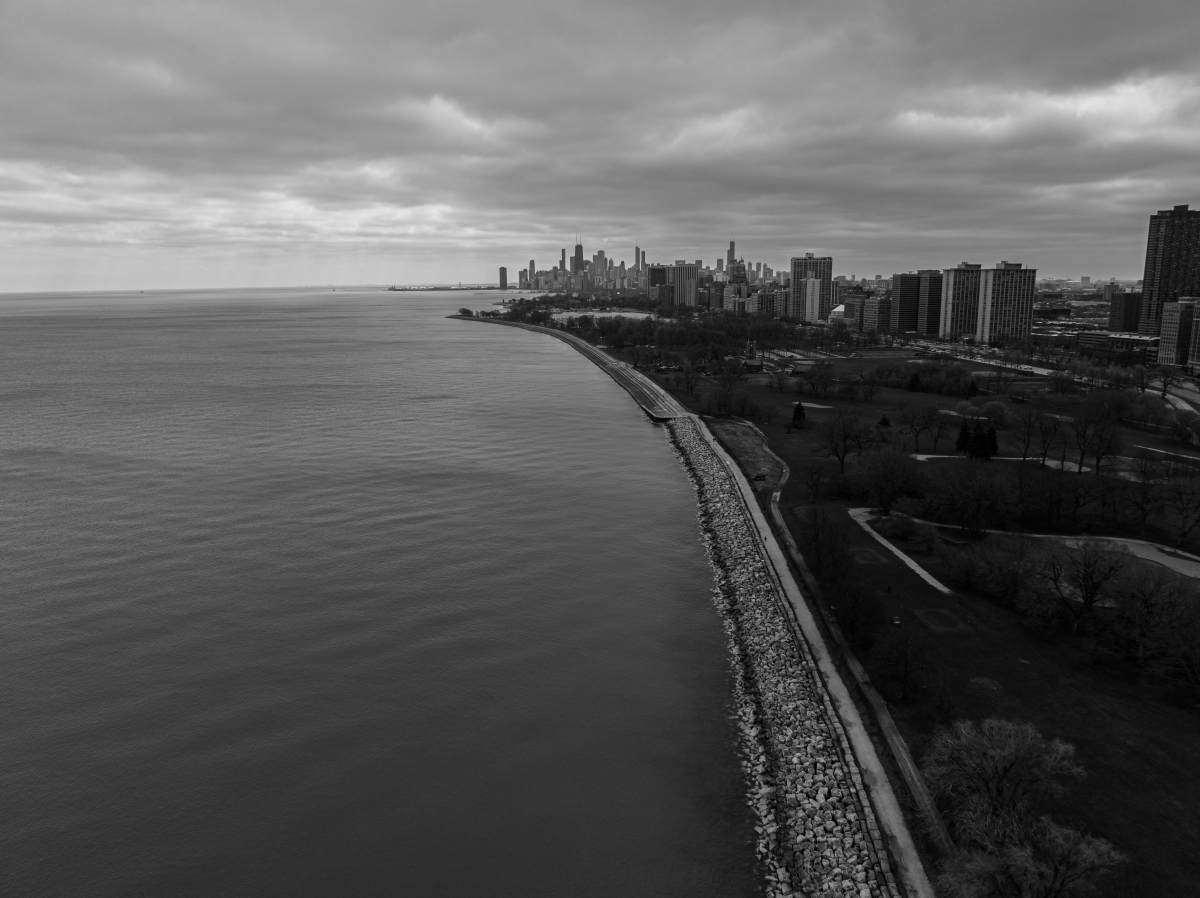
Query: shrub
(895, 527)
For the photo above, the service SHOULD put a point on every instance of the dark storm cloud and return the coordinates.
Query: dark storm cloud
(436, 140)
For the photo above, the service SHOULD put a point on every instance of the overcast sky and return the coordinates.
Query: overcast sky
(214, 143)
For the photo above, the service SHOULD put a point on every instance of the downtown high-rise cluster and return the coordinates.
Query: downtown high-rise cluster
(967, 302)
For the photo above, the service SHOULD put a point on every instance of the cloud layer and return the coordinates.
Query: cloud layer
(220, 143)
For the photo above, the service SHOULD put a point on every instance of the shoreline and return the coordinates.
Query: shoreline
(816, 828)
(813, 778)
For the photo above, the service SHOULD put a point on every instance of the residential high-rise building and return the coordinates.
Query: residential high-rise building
(720, 266)
(929, 302)
(503, 278)
(960, 301)
(806, 300)
(906, 301)
(877, 314)
(993, 305)
(1124, 310)
(1006, 303)
(819, 267)
(1175, 340)
(1172, 264)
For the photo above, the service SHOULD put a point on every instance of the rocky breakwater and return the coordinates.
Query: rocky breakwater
(816, 831)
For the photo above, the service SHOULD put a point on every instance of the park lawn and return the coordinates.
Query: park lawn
(1141, 749)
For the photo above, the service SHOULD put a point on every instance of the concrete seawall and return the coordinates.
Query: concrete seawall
(828, 821)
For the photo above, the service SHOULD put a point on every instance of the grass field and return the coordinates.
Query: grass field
(1139, 743)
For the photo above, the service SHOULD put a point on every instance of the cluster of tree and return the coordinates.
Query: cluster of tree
(994, 782)
(1162, 494)
(1133, 611)
(977, 442)
(935, 376)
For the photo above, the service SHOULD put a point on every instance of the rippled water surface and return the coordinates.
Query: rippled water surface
(309, 593)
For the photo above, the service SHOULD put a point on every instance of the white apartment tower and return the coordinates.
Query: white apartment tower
(992, 305)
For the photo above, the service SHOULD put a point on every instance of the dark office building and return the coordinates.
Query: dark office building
(1172, 264)
(906, 297)
(656, 275)
(929, 303)
(503, 278)
(737, 272)
(1124, 311)
(577, 259)
(960, 301)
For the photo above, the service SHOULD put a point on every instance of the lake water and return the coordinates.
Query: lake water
(309, 593)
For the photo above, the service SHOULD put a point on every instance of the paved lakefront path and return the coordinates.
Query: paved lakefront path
(829, 822)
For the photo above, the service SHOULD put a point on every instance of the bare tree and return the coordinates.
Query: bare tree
(1151, 603)
(840, 434)
(689, 377)
(888, 473)
(1182, 496)
(1145, 494)
(1081, 575)
(943, 427)
(919, 420)
(1050, 435)
(1032, 859)
(813, 476)
(819, 378)
(1006, 767)
(1167, 376)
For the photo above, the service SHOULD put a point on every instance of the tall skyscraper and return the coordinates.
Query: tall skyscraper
(637, 258)
(1006, 297)
(1175, 340)
(906, 300)
(929, 302)
(1172, 264)
(503, 278)
(577, 259)
(562, 265)
(532, 271)
(821, 268)
(731, 255)
(993, 305)
(683, 275)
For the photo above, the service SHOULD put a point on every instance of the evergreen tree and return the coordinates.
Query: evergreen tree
(972, 390)
(978, 446)
(884, 422)
(798, 414)
(964, 439)
(914, 383)
(993, 442)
